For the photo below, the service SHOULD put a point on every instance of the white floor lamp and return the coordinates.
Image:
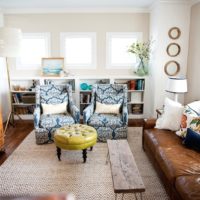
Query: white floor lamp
(10, 43)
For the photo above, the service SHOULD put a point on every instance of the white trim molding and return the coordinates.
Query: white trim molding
(75, 10)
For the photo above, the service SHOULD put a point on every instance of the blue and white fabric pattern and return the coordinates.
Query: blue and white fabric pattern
(54, 94)
(108, 126)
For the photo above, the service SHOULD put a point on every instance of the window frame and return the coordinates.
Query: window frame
(92, 35)
(47, 37)
(109, 36)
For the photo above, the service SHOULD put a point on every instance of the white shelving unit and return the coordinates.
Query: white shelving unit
(136, 94)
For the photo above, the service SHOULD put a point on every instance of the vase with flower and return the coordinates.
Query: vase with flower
(142, 51)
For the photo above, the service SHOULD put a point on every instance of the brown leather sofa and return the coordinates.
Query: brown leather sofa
(177, 166)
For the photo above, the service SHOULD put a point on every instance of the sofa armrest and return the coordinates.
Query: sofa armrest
(149, 123)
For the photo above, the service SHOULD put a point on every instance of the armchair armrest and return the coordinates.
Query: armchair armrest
(87, 113)
(36, 116)
(74, 111)
(149, 123)
(125, 114)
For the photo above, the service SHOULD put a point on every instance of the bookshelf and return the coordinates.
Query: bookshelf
(135, 95)
(25, 92)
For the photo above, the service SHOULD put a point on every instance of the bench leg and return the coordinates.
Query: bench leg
(115, 196)
(91, 148)
(122, 196)
(59, 153)
(84, 155)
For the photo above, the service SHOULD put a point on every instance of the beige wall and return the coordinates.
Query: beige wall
(194, 56)
(99, 23)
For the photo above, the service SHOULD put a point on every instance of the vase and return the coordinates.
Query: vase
(141, 68)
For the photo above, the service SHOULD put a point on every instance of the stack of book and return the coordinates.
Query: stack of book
(137, 108)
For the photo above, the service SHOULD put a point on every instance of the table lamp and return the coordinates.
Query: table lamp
(176, 85)
(10, 42)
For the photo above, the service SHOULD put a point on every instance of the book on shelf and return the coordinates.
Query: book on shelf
(140, 84)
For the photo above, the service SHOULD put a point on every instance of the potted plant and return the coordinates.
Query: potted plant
(142, 51)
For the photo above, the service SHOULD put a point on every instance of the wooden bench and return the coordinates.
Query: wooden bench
(125, 174)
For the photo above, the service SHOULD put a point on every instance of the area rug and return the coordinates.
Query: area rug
(34, 169)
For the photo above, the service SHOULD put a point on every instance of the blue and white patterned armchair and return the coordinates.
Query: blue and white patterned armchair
(45, 125)
(108, 126)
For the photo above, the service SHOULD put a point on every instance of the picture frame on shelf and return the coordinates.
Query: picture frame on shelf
(52, 66)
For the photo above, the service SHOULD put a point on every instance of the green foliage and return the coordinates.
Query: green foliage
(141, 49)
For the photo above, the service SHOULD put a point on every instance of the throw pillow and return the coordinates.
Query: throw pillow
(192, 139)
(171, 117)
(54, 108)
(188, 115)
(107, 108)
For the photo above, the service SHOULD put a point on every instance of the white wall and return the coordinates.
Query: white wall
(194, 54)
(3, 82)
(165, 15)
(99, 23)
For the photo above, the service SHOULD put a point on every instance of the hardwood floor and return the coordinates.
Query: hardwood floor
(15, 135)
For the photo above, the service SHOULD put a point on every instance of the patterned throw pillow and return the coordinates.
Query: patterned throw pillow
(189, 120)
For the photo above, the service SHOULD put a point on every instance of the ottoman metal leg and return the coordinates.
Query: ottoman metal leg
(58, 153)
(84, 155)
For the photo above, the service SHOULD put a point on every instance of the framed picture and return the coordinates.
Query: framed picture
(52, 66)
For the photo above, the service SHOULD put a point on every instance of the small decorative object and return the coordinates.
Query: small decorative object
(173, 49)
(172, 68)
(174, 33)
(84, 86)
(52, 66)
(142, 51)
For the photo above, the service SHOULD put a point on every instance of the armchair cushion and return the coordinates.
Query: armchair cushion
(105, 120)
(110, 94)
(57, 120)
(54, 108)
(54, 99)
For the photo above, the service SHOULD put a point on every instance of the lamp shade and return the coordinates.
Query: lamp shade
(10, 42)
(176, 85)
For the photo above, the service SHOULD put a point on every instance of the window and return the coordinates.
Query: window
(117, 49)
(34, 47)
(79, 50)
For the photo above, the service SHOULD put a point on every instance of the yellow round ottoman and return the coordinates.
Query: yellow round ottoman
(75, 137)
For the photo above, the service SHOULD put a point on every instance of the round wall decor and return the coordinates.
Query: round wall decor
(174, 33)
(172, 68)
(173, 49)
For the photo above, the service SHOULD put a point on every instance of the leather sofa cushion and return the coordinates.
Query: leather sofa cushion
(178, 161)
(188, 187)
(160, 138)
(172, 156)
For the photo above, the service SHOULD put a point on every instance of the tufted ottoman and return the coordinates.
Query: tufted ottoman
(75, 137)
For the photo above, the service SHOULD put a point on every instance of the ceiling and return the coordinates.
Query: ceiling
(20, 4)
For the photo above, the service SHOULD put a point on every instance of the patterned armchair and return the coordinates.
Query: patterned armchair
(45, 125)
(108, 126)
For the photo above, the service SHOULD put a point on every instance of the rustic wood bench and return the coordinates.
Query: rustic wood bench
(125, 174)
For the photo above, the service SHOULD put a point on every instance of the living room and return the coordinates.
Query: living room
(127, 72)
